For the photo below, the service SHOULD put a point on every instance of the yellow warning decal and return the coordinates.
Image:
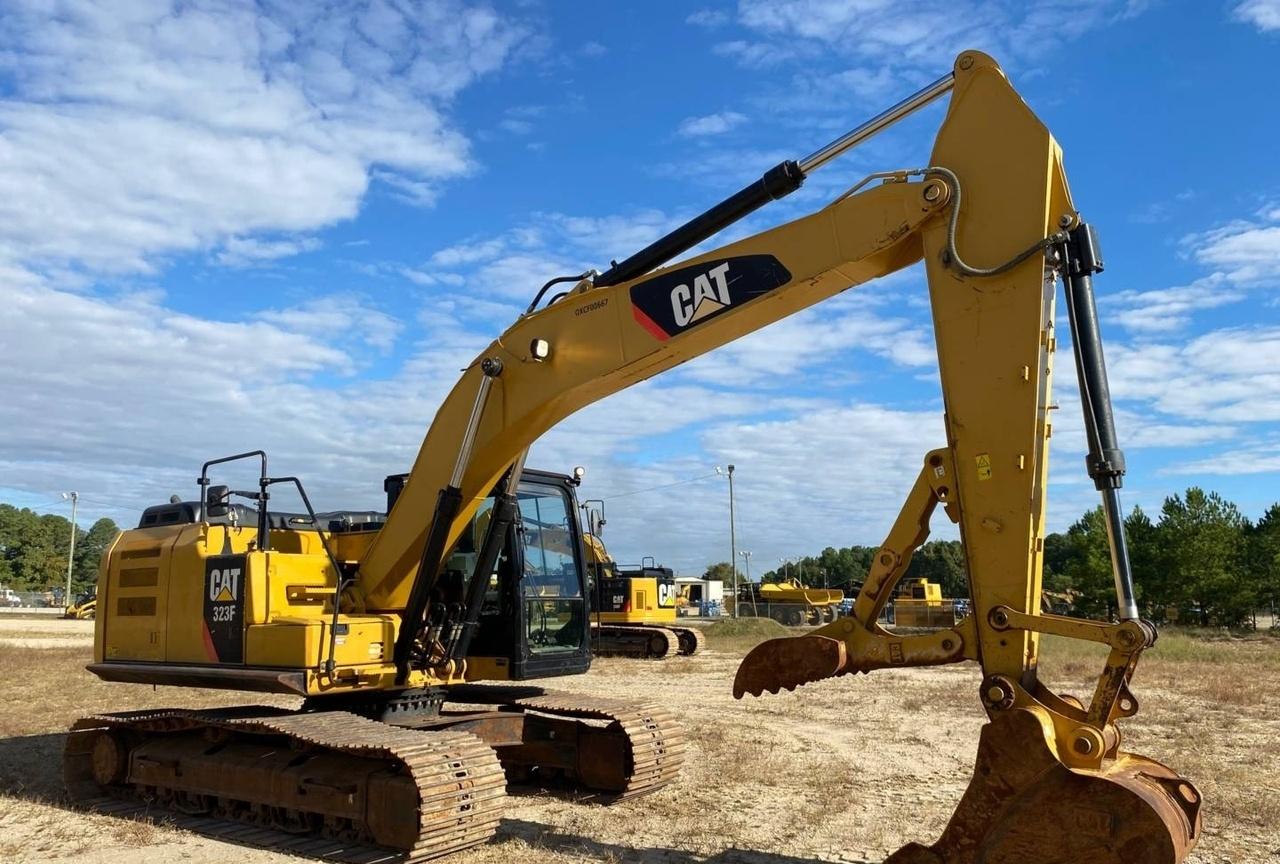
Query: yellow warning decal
(984, 466)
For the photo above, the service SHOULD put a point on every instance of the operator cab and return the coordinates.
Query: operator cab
(534, 616)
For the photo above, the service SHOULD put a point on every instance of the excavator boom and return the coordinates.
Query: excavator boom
(993, 220)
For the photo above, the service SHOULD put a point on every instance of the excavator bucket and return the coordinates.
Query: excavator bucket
(1023, 805)
(788, 662)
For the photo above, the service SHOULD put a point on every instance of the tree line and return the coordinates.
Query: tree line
(34, 547)
(1200, 561)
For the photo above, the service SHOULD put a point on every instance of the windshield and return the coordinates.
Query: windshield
(550, 565)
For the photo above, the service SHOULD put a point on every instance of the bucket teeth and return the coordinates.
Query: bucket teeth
(786, 663)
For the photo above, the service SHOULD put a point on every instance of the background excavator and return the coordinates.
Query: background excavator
(383, 628)
(633, 608)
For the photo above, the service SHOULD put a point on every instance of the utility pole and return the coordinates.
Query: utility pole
(733, 545)
(746, 560)
(74, 498)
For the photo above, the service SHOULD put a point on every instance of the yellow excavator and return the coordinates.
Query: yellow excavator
(384, 631)
(634, 608)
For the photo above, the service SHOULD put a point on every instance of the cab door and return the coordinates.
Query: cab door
(550, 584)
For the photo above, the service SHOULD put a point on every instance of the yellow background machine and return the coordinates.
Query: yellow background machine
(788, 602)
(634, 609)
(920, 604)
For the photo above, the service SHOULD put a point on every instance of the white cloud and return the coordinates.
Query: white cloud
(709, 18)
(1260, 458)
(1221, 377)
(856, 56)
(753, 54)
(711, 124)
(338, 318)
(918, 33)
(515, 126)
(515, 263)
(1263, 14)
(774, 355)
(829, 475)
(1246, 251)
(1244, 254)
(1167, 309)
(132, 130)
(468, 253)
(123, 397)
(247, 251)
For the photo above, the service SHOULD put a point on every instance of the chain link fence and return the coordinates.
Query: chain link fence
(10, 599)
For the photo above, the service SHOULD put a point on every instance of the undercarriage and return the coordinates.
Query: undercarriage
(647, 641)
(426, 778)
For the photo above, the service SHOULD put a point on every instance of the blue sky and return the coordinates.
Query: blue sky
(227, 225)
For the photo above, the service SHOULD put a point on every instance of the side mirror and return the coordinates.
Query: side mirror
(217, 502)
(595, 522)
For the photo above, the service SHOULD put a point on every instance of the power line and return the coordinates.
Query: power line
(663, 486)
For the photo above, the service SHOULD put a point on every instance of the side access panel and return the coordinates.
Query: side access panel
(135, 603)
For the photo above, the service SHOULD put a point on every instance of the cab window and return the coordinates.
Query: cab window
(550, 585)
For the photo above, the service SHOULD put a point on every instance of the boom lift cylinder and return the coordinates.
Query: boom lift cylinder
(779, 181)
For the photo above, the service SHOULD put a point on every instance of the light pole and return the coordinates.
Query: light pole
(746, 561)
(733, 545)
(74, 498)
(733, 542)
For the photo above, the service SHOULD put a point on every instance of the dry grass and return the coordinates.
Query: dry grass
(740, 635)
(844, 770)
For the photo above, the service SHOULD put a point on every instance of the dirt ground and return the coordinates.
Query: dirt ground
(843, 770)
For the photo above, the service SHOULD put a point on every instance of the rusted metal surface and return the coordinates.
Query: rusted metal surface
(1023, 806)
(786, 663)
(323, 784)
(646, 741)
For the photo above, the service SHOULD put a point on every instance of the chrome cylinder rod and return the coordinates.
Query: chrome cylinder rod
(878, 123)
(491, 368)
(779, 181)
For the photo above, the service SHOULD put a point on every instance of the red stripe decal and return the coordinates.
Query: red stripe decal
(208, 642)
(647, 323)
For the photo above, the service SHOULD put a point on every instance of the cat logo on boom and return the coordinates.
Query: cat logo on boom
(685, 297)
(693, 304)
